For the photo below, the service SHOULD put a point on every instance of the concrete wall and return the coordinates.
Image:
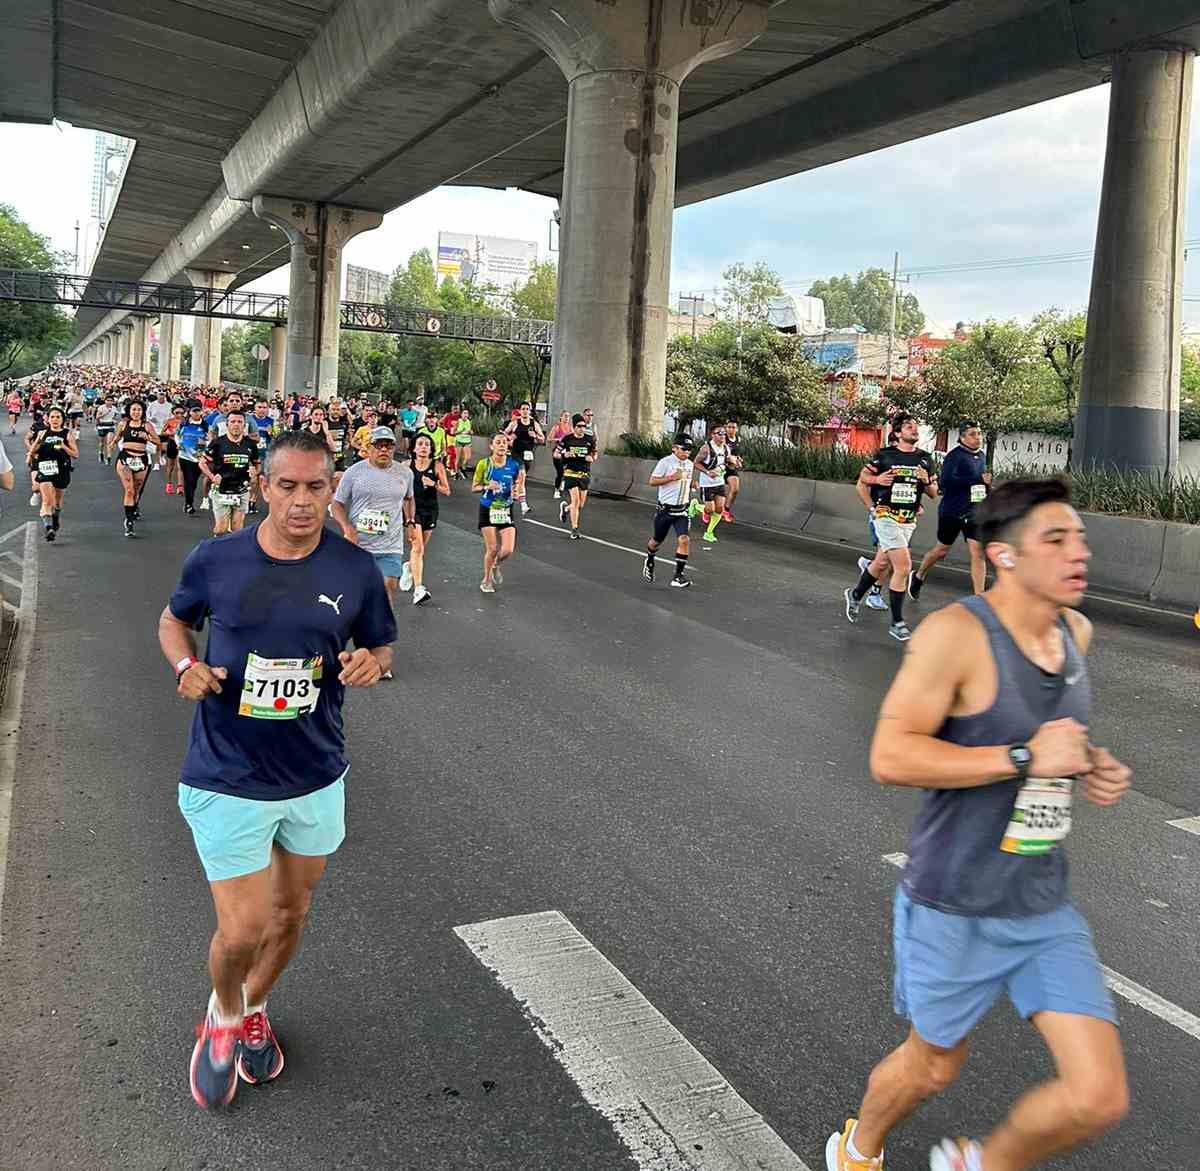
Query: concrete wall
(1048, 453)
(1155, 560)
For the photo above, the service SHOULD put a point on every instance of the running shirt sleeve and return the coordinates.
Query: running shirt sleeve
(481, 473)
(189, 602)
(5, 462)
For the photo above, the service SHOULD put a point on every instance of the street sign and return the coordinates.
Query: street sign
(434, 325)
(490, 396)
(374, 320)
(261, 353)
(490, 384)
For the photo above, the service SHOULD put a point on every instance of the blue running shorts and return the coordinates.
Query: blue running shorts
(951, 969)
(390, 564)
(234, 835)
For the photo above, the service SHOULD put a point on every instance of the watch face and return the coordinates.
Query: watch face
(1020, 756)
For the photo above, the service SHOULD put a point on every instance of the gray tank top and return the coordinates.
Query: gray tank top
(955, 861)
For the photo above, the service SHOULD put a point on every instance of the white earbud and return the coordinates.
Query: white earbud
(1007, 561)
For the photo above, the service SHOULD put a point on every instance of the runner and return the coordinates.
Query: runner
(558, 433)
(711, 463)
(106, 424)
(964, 482)
(374, 505)
(409, 419)
(874, 599)
(75, 410)
(733, 471)
(462, 441)
(14, 411)
(432, 427)
(158, 411)
(672, 476)
(578, 453)
(524, 434)
(337, 427)
(264, 430)
(50, 457)
(989, 715)
(429, 480)
(898, 476)
(498, 479)
(362, 435)
(131, 439)
(449, 422)
(262, 784)
(190, 437)
(170, 450)
(229, 463)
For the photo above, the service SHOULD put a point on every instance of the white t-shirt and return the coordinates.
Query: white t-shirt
(158, 413)
(718, 455)
(675, 493)
(5, 462)
(374, 500)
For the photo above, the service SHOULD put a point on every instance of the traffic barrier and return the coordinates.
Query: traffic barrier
(776, 502)
(1127, 553)
(838, 515)
(1178, 582)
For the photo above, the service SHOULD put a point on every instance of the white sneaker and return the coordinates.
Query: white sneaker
(524, 507)
(486, 587)
(406, 579)
(956, 1155)
(35, 500)
(864, 563)
(421, 594)
(874, 600)
(386, 675)
(205, 503)
(557, 494)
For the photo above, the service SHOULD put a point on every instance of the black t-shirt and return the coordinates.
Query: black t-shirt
(338, 430)
(53, 449)
(899, 500)
(523, 438)
(425, 498)
(575, 454)
(386, 419)
(231, 461)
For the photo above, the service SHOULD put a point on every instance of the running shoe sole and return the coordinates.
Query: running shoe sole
(900, 634)
(245, 1074)
(422, 599)
(681, 583)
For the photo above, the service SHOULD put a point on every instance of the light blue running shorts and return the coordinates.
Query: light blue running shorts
(951, 969)
(234, 835)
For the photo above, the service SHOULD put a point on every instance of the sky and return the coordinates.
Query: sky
(1021, 184)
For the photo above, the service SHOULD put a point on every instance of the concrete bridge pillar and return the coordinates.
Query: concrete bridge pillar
(317, 233)
(624, 61)
(277, 369)
(1129, 395)
(125, 345)
(139, 355)
(170, 338)
(206, 331)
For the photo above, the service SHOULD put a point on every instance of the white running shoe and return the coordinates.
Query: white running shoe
(406, 578)
(421, 594)
(557, 494)
(864, 563)
(486, 587)
(874, 600)
(35, 500)
(956, 1155)
(524, 507)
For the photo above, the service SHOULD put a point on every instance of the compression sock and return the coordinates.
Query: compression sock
(55, 516)
(712, 524)
(650, 558)
(680, 564)
(896, 597)
(48, 521)
(129, 510)
(865, 583)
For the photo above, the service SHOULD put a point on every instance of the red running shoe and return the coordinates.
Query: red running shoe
(170, 489)
(727, 517)
(260, 1058)
(211, 1072)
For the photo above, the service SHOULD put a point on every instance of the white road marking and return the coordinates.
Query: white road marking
(13, 532)
(668, 1105)
(1154, 1004)
(10, 715)
(541, 524)
(14, 582)
(1189, 824)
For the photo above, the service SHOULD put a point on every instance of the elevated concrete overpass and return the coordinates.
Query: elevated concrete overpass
(324, 115)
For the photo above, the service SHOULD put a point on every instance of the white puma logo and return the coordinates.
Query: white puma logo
(330, 602)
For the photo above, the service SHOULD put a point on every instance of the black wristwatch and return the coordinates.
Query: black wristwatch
(1021, 758)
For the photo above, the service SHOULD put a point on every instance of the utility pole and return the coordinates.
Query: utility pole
(892, 323)
(76, 268)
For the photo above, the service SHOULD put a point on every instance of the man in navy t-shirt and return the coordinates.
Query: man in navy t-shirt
(262, 782)
(964, 482)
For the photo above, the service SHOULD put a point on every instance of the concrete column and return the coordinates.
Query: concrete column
(1129, 395)
(170, 338)
(110, 349)
(139, 354)
(624, 61)
(206, 331)
(317, 233)
(125, 345)
(276, 370)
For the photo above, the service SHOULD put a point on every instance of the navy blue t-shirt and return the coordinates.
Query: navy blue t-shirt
(277, 610)
(961, 471)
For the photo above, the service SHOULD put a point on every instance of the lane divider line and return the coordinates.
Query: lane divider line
(1130, 990)
(1189, 825)
(670, 1107)
(541, 524)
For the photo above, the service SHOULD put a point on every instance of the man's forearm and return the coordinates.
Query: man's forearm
(176, 639)
(912, 760)
(383, 656)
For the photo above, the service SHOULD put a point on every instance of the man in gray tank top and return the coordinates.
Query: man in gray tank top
(989, 717)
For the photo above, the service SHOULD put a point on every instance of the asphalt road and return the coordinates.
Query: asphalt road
(680, 773)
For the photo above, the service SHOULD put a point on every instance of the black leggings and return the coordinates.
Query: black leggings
(558, 471)
(191, 477)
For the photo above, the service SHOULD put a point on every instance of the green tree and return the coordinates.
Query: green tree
(1061, 338)
(866, 300)
(748, 291)
(414, 284)
(988, 378)
(30, 334)
(238, 363)
(537, 297)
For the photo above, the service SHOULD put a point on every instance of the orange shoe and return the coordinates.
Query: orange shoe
(837, 1158)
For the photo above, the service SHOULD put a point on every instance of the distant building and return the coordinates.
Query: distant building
(800, 315)
(366, 285)
(685, 324)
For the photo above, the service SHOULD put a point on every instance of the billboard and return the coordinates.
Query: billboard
(366, 285)
(485, 259)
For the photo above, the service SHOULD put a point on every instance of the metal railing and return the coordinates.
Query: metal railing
(146, 297)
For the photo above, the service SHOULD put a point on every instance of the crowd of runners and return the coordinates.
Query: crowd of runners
(988, 714)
